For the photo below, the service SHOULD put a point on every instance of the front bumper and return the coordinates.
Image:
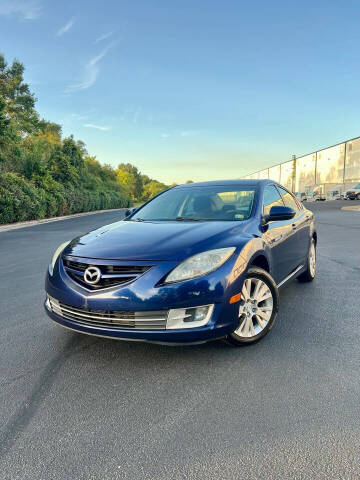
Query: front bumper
(208, 332)
(145, 294)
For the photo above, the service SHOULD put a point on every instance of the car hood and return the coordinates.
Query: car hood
(127, 240)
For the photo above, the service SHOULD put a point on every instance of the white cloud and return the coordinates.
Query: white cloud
(165, 135)
(89, 78)
(27, 9)
(66, 27)
(91, 72)
(78, 117)
(97, 127)
(103, 37)
(101, 55)
(188, 133)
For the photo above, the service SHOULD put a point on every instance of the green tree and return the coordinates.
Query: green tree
(73, 151)
(39, 148)
(153, 188)
(19, 101)
(4, 129)
(43, 174)
(11, 155)
(49, 131)
(145, 179)
(4, 122)
(61, 169)
(137, 187)
(127, 181)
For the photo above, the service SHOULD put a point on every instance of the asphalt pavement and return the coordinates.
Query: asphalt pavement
(80, 407)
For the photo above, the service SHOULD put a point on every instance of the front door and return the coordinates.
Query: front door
(300, 224)
(280, 238)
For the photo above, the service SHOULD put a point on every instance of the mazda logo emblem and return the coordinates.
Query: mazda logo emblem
(92, 275)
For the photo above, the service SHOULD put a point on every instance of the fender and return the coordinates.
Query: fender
(252, 249)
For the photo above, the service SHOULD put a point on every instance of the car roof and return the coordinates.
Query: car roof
(237, 182)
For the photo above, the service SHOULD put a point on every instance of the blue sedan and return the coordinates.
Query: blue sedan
(198, 262)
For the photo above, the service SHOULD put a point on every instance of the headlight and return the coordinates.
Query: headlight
(55, 256)
(200, 264)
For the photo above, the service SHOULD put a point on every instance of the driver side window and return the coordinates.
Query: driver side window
(271, 198)
(289, 200)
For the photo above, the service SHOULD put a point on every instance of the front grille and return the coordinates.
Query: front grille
(111, 275)
(76, 265)
(149, 320)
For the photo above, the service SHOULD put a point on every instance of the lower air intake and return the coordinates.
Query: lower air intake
(148, 320)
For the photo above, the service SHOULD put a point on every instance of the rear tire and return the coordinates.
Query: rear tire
(258, 308)
(358, 196)
(310, 272)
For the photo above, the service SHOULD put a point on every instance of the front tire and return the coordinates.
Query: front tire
(257, 309)
(310, 272)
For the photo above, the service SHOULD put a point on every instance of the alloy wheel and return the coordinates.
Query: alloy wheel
(255, 309)
(312, 259)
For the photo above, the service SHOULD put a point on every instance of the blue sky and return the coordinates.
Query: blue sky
(193, 88)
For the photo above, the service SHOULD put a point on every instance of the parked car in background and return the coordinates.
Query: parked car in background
(198, 262)
(308, 196)
(353, 193)
(335, 193)
(301, 196)
(318, 194)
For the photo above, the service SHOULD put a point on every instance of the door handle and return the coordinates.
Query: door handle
(276, 239)
(294, 227)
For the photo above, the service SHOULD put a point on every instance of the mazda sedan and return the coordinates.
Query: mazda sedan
(198, 262)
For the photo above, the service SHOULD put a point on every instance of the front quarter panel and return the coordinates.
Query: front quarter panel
(251, 250)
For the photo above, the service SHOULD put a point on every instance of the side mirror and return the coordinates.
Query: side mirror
(130, 211)
(278, 213)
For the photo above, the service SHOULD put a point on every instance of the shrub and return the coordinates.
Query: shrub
(22, 199)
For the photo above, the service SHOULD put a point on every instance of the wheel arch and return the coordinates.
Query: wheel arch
(252, 254)
(260, 260)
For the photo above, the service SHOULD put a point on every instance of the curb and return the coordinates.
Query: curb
(354, 208)
(31, 223)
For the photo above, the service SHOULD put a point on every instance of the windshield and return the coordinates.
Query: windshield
(215, 203)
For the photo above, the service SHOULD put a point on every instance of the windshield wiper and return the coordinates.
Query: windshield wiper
(178, 219)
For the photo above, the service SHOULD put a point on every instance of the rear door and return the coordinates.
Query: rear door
(300, 225)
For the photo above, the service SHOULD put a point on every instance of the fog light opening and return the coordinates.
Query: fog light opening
(196, 314)
(189, 317)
